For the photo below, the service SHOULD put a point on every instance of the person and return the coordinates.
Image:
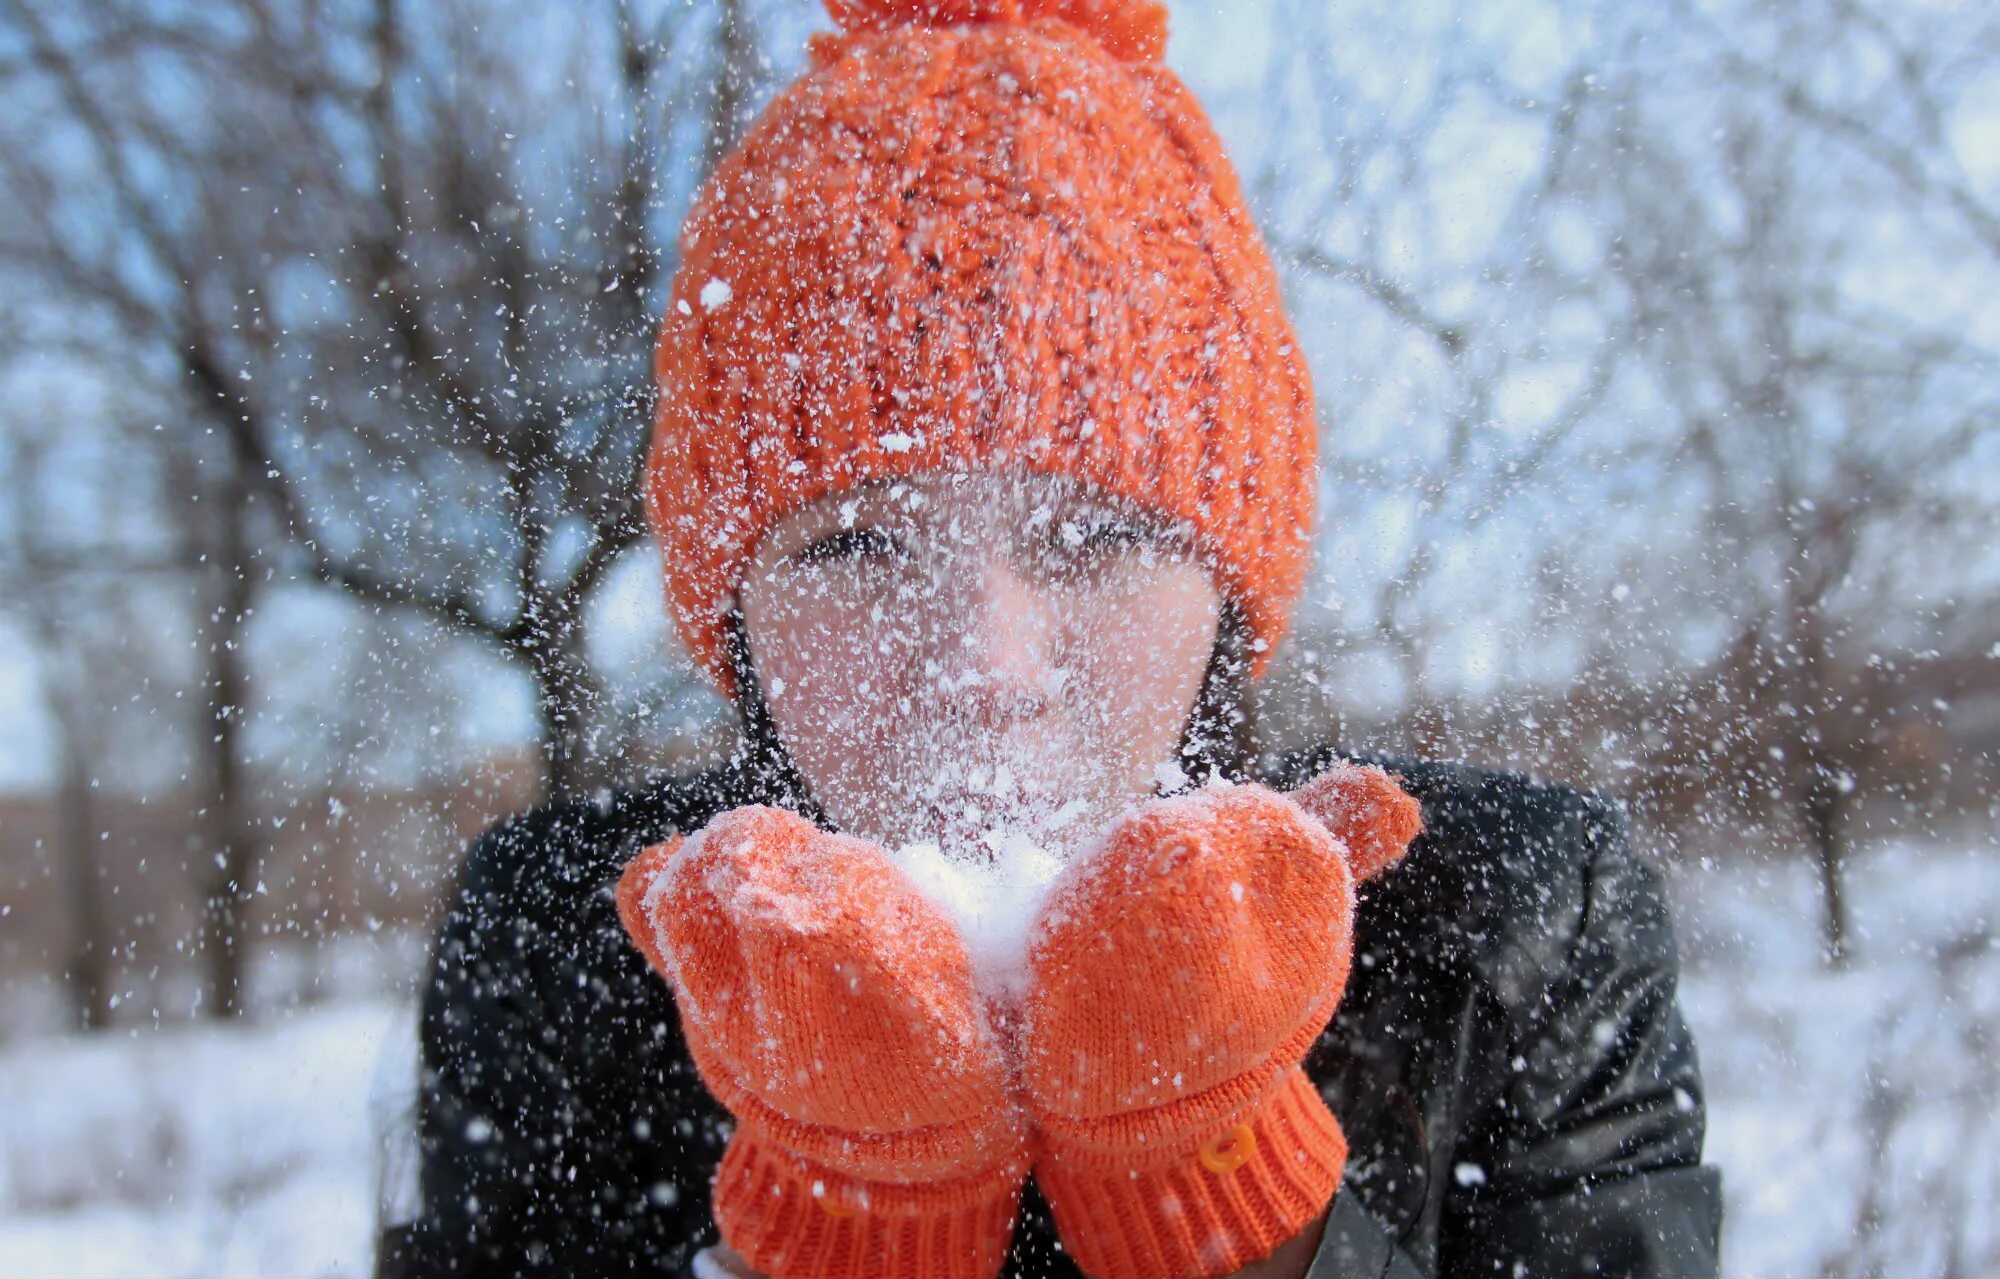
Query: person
(984, 477)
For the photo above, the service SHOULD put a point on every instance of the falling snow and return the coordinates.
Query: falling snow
(1654, 354)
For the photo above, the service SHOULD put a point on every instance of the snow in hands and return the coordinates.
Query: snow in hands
(996, 862)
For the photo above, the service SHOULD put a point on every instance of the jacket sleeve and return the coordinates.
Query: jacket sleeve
(1590, 1157)
(557, 1130)
(1356, 1245)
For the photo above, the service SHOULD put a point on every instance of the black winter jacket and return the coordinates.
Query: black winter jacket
(1510, 1066)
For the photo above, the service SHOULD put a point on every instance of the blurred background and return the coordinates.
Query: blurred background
(1658, 353)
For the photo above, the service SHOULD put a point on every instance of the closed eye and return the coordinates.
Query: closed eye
(1112, 533)
(1107, 532)
(1076, 548)
(848, 544)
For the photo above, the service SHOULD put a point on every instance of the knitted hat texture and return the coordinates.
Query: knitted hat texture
(980, 235)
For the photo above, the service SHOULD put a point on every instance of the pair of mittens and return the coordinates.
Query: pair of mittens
(1176, 978)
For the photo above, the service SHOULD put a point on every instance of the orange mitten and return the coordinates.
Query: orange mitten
(1177, 979)
(832, 1011)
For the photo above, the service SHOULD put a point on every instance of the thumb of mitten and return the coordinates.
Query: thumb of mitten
(1365, 809)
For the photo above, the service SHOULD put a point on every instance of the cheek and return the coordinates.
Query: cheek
(1136, 653)
(833, 673)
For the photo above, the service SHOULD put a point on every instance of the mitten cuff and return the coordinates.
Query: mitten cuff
(1219, 1200)
(793, 1218)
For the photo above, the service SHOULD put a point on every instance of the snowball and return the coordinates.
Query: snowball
(992, 901)
(899, 442)
(715, 293)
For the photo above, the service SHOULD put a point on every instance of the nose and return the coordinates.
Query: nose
(998, 652)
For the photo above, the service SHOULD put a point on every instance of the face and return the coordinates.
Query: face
(951, 656)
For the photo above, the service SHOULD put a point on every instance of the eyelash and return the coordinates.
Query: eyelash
(850, 543)
(1106, 533)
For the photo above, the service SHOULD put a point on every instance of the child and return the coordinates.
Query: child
(984, 476)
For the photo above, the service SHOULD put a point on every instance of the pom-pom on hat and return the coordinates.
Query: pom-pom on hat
(1135, 30)
(975, 235)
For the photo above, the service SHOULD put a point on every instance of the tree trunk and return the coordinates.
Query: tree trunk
(76, 851)
(1825, 783)
(1427, 726)
(1823, 819)
(230, 872)
(566, 694)
(733, 74)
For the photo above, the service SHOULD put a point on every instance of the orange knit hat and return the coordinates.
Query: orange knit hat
(980, 234)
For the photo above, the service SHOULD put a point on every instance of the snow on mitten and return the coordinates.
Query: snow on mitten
(831, 1009)
(1177, 979)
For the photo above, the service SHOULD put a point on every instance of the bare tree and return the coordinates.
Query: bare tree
(1820, 431)
(1723, 502)
(1367, 243)
(69, 571)
(38, 587)
(403, 263)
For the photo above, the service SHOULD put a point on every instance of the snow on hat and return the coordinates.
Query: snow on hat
(980, 234)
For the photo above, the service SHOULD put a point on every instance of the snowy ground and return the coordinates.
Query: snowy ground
(1852, 1111)
(194, 1151)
